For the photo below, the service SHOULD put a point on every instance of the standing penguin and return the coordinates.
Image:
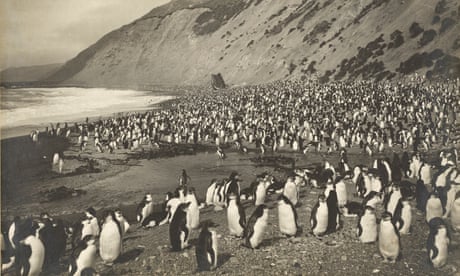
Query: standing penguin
(178, 231)
(90, 225)
(30, 251)
(437, 243)
(433, 207)
(392, 199)
(236, 217)
(210, 192)
(122, 221)
(319, 216)
(206, 249)
(455, 213)
(290, 191)
(403, 216)
(367, 226)
(110, 240)
(255, 227)
(260, 193)
(145, 208)
(193, 214)
(341, 190)
(333, 223)
(287, 216)
(389, 243)
(83, 256)
(54, 238)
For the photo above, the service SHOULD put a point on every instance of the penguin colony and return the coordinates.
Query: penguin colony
(34, 245)
(384, 189)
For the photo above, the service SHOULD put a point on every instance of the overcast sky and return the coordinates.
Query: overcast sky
(34, 32)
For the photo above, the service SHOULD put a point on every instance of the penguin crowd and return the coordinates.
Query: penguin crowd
(293, 116)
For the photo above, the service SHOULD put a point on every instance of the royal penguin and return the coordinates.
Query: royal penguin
(206, 249)
(437, 243)
(83, 256)
(290, 191)
(402, 218)
(53, 235)
(389, 241)
(255, 228)
(367, 226)
(160, 217)
(236, 217)
(193, 213)
(178, 230)
(124, 224)
(30, 250)
(210, 192)
(171, 207)
(341, 190)
(260, 192)
(333, 223)
(372, 199)
(392, 199)
(145, 208)
(90, 225)
(433, 207)
(319, 216)
(287, 217)
(455, 213)
(110, 239)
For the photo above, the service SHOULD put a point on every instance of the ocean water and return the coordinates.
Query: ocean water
(41, 106)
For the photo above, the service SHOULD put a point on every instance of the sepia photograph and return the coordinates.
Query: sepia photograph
(230, 137)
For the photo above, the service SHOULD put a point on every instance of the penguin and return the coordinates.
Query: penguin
(260, 193)
(421, 195)
(287, 217)
(396, 168)
(206, 249)
(372, 199)
(389, 241)
(193, 214)
(178, 231)
(433, 207)
(290, 191)
(83, 256)
(341, 190)
(438, 243)
(110, 240)
(124, 224)
(236, 217)
(455, 213)
(160, 217)
(367, 226)
(333, 223)
(171, 206)
(90, 225)
(30, 251)
(319, 216)
(145, 208)
(54, 238)
(402, 218)
(392, 199)
(256, 226)
(210, 192)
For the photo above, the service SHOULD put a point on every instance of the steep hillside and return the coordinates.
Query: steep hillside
(28, 73)
(256, 41)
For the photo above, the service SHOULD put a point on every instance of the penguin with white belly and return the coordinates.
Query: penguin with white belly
(178, 231)
(30, 250)
(287, 217)
(110, 240)
(455, 213)
(389, 241)
(236, 217)
(256, 226)
(291, 191)
(83, 256)
(392, 199)
(193, 214)
(206, 249)
(260, 193)
(145, 208)
(319, 217)
(367, 226)
(437, 244)
(434, 207)
(403, 216)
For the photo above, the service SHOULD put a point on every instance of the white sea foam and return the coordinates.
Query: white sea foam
(36, 106)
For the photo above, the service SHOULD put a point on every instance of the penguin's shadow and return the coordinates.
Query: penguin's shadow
(130, 255)
(223, 258)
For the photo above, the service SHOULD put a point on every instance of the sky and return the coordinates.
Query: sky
(36, 32)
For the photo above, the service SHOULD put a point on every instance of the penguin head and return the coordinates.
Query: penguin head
(148, 198)
(118, 214)
(89, 239)
(369, 210)
(168, 196)
(322, 198)
(191, 191)
(434, 195)
(232, 196)
(109, 216)
(90, 212)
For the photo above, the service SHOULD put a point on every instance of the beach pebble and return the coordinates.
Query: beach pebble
(376, 270)
(343, 258)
